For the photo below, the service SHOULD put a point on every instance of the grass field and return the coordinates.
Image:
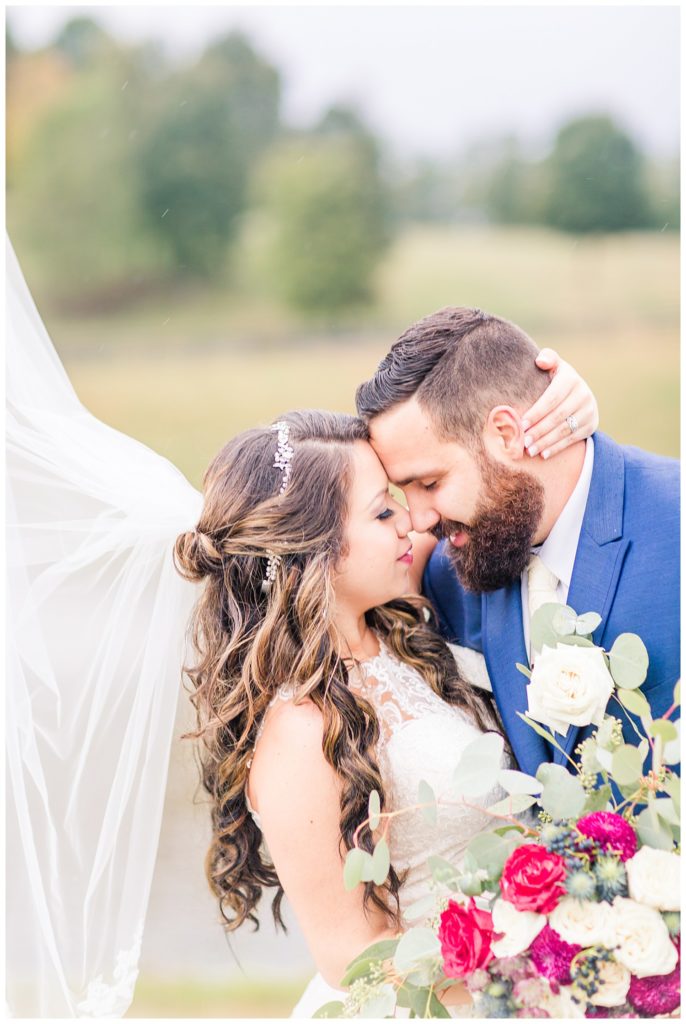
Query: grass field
(162, 997)
(185, 375)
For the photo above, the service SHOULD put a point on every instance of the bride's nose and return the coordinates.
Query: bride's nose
(403, 523)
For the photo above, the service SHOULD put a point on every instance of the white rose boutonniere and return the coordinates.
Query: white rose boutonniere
(569, 685)
(654, 878)
(640, 938)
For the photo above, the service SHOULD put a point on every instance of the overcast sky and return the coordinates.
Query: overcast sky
(431, 80)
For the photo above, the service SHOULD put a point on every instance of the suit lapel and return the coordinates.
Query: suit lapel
(504, 646)
(602, 550)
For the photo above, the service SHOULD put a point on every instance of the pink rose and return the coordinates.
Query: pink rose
(533, 879)
(465, 934)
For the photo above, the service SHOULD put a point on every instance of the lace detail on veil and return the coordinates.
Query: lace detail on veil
(103, 1000)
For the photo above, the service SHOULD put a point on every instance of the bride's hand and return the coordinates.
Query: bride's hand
(545, 423)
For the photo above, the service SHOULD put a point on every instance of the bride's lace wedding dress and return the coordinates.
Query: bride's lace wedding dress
(421, 737)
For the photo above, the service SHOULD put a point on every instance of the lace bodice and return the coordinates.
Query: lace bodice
(421, 737)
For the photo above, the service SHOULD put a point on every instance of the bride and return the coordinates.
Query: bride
(317, 679)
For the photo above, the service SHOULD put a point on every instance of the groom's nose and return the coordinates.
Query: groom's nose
(423, 519)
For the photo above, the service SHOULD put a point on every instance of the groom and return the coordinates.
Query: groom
(596, 527)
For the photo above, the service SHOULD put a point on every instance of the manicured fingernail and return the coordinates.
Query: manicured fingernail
(533, 450)
(527, 440)
(546, 454)
(525, 426)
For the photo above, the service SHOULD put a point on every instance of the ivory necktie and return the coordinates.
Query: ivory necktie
(542, 585)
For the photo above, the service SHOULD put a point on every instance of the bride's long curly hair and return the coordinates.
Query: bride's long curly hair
(247, 642)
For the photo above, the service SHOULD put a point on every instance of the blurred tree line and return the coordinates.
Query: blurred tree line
(127, 173)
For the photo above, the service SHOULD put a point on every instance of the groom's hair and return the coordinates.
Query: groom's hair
(460, 363)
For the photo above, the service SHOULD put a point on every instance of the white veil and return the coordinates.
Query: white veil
(96, 633)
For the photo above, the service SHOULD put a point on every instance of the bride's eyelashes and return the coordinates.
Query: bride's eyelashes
(386, 514)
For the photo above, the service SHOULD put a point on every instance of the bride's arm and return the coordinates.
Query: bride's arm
(297, 795)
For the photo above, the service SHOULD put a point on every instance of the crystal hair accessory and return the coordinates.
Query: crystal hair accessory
(282, 461)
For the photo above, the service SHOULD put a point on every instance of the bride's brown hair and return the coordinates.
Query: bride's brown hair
(249, 642)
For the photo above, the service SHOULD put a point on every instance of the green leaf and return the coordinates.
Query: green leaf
(381, 1004)
(518, 782)
(672, 751)
(664, 807)
(673, 787)
(423, 907)
(426, 795)
(516, 803)
(542, 630)
(564, 620)
(374, 809)
(664, 729)
(598, 799)
(470, 884)
(540, 730)
(627, 765)
(491, 851)
(442, 871)
(523, 669)
(628, 661)
(378, 951)
(677, 693)
(576, 641)
(635, 702)
(478, 768)
(652, 831)
(333, 1009)
(381, 862)
(368, 867)
(563, 795)
(604, 733)
(415, 945)
(436, 1008)
(588, 623)
(352, 872)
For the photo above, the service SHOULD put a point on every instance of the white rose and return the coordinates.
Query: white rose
(520, 928)
(615, 981)
(569, 685)
(579, 922)
(654, 878)
(640, 938)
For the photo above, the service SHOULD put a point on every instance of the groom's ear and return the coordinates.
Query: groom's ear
(503, 434)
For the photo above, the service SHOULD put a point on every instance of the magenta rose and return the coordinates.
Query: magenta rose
(533, 879)
(610, 831)
(465, 934)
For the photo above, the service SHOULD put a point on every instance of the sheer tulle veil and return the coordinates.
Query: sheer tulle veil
(96, 635)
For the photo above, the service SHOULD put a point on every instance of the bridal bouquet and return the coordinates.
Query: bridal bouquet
(567, 909)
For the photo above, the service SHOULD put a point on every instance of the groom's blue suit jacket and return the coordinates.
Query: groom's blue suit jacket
(626, 569)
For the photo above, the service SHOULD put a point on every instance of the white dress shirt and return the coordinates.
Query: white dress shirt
(558, 551)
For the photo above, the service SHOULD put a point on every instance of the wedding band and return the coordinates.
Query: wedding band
(572, 423)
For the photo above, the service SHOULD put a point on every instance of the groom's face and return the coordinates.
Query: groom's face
(489, 511)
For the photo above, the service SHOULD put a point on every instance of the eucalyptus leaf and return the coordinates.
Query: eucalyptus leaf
(664, 807)
(442, 871)
(664, 729)
(516, 803)
(563, 795)
(381, 862)
(491, 851)
(635, 702)
(627, 765)
(540, 730)
(542, 630)
(518, 782)
(381, 1004)
(673, 787)
(332, 1009)
(415, 945)
(423, 907)
(576, 641)
(672, 750)
(352, 871)
(436, 1008)
(426, 795)
(652, 831)
(470, 884)
(604, 759)
(477, 770)
(588, 623)
(628, 661)
(604, 735)
(524, 669)
(598, 799)
(378, 951)
(677, 693)
(564, 621)
(374, 809)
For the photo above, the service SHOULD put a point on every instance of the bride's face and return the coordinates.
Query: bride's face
(379, 552)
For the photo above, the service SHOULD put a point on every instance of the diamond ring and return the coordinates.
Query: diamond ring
(572, 423)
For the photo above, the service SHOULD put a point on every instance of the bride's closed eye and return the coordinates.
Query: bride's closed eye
(386, 514)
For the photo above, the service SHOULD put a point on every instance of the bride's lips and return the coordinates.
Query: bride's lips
(407, 558)
(459, 539)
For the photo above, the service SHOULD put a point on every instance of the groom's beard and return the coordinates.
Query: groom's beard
(507, 515)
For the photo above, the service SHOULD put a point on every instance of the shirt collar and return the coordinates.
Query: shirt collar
(558, 551)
